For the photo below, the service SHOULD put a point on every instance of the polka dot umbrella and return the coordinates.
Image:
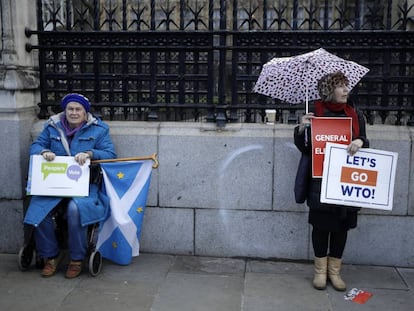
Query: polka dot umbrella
(294, 79)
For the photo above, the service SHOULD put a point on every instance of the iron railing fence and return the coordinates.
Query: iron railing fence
(198, 60)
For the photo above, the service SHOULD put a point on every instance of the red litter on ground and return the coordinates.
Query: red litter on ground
(358, 296)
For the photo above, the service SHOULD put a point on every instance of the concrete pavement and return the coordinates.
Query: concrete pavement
(155, 282)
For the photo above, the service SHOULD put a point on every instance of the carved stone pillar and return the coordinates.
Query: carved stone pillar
(19, 83)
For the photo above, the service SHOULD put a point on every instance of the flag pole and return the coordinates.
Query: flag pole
(152, 157)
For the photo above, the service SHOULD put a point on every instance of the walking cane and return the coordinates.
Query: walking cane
(152, 157)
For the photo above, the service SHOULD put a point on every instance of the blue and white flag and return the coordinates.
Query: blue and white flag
(126, 184)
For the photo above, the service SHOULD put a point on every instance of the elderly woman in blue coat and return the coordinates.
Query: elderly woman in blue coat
(73, 132)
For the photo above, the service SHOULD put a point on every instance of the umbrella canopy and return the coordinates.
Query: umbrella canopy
(294, 79)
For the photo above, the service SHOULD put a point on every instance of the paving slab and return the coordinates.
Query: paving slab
(408, 276)
(382, 300)
(265, 292)
(279, 267)
(159, 282)
(189, 292)
(28, 291)
(373, 277)
(209, 265)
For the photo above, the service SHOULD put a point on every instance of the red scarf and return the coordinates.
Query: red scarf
(320, 108)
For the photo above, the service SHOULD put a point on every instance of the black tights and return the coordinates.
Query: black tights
(336, 241)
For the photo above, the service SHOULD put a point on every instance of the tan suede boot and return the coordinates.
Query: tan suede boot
(334, 268)
(320, 270)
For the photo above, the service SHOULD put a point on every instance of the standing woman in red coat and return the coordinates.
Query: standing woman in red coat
(330, 223)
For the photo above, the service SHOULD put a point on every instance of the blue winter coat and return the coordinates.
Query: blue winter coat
(93, 136)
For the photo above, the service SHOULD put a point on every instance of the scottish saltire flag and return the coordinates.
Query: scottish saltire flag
(126, 184)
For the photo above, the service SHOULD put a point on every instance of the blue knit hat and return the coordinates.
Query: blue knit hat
(78, 98)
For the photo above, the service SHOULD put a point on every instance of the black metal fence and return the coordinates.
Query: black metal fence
(198, 60)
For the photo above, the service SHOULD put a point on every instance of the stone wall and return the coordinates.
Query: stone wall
(230, 193)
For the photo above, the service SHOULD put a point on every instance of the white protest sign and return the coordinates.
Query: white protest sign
(62, 177)
(365, 179)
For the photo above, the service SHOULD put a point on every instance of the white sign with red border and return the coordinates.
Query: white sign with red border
(365, 179)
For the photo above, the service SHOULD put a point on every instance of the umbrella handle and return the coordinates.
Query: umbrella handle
(307, 100)
(152, 157)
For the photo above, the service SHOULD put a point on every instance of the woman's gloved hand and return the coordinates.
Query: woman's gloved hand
(306, 121)
(306, 118)
(48, 155)
(81, 157)
(354, 146)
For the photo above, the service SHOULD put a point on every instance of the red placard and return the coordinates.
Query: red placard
(326, 129)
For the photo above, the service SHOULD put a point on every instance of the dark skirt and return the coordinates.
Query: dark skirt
(333, 221)
(329, 217)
